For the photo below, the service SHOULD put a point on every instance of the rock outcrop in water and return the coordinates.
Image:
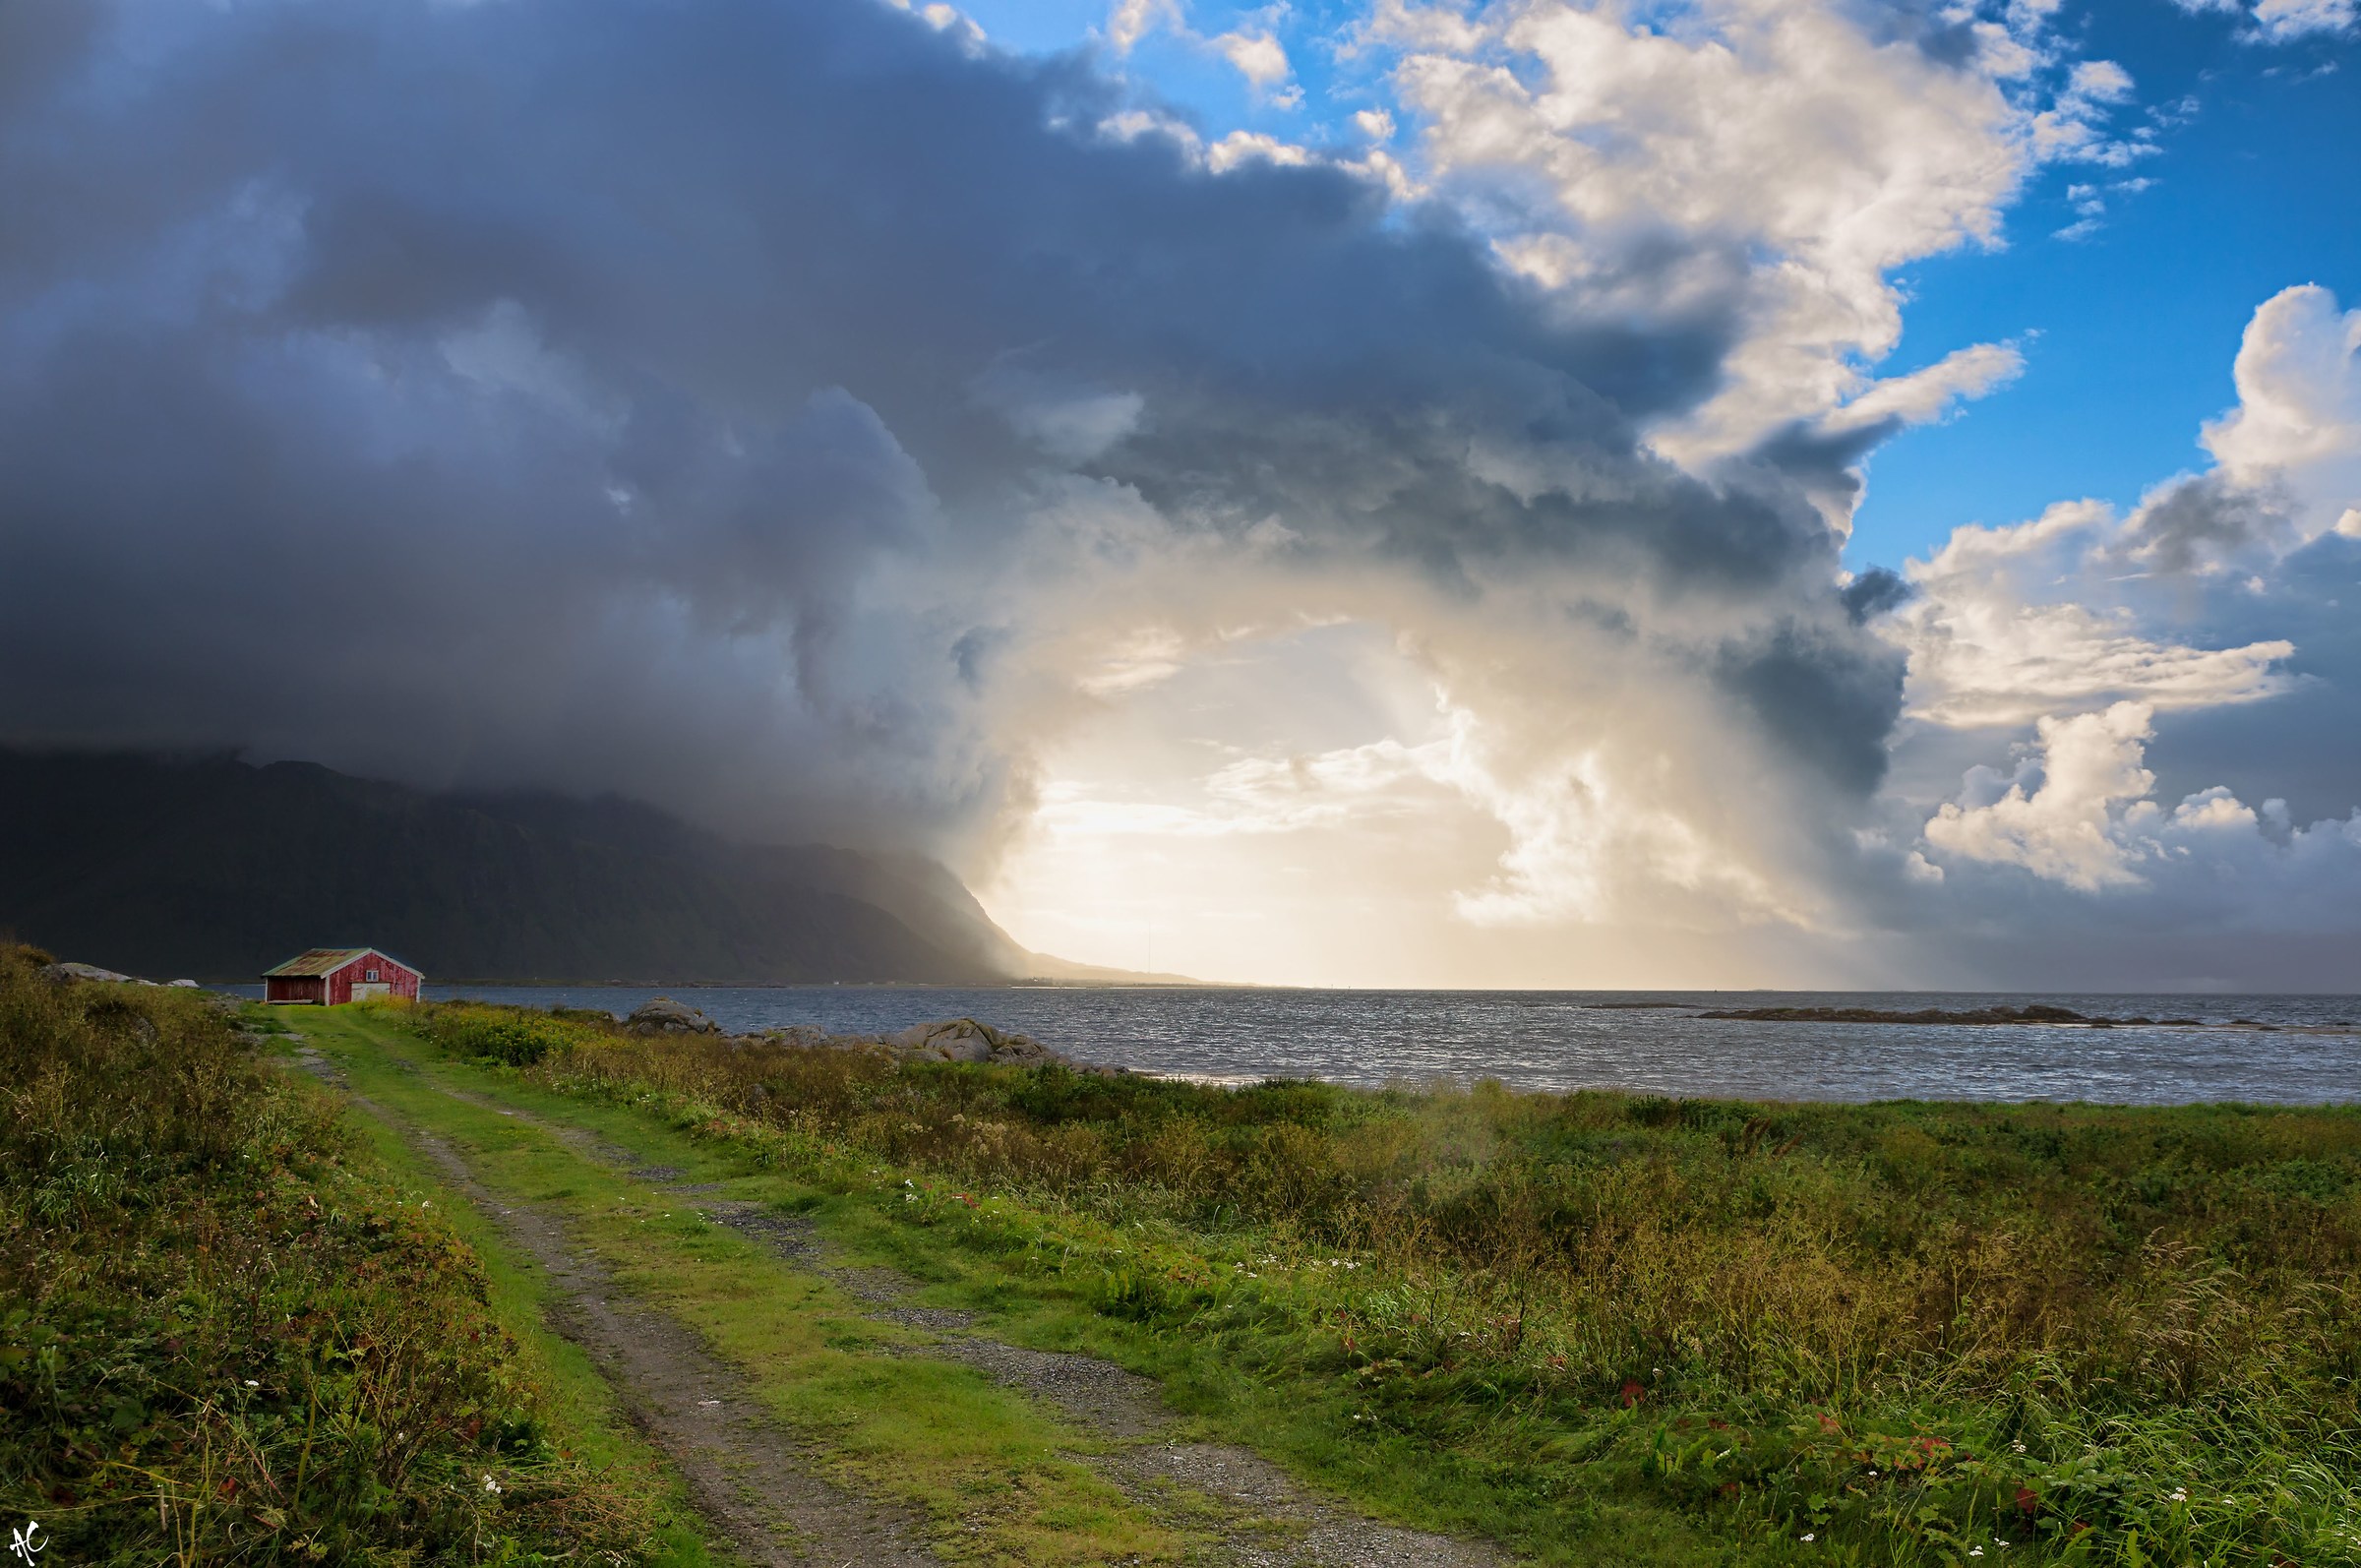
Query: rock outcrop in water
(2033, 1014)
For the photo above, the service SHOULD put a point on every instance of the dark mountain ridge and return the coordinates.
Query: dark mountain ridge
(214, 869)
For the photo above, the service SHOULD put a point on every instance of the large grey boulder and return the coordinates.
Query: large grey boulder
(968, 1040)
(67, 974)
(664, 1016)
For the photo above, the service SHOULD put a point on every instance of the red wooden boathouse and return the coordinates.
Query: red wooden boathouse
(334, 976)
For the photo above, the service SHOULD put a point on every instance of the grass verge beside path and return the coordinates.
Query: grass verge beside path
(228, 1334)
(1609, 1328)
(997, 1477)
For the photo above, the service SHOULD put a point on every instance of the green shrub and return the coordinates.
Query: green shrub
(516, 1036)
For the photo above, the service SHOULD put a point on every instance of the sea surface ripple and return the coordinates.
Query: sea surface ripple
(1568, 1040)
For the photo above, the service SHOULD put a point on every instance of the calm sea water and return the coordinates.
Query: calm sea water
(1564, 1039)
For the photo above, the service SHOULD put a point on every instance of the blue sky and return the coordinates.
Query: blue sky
(2128, 329)
(2258, 188)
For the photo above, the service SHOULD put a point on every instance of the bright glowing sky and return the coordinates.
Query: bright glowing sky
(1540, 492)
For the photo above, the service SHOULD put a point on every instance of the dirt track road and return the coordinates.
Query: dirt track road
(772, 1495)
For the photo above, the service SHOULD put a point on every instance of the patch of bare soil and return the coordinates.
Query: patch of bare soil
(319, 1067)
(1271, 1522)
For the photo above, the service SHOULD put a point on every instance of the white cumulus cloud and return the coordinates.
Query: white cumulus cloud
(2280, 21)
(1814, 156)
(1261, 58)
(2298, 419)
(2078, 813)
(2010, 623)
(2066, 827)
(1929, 393)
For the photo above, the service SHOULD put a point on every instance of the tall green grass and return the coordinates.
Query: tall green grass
(224, 1337)
(516, 1036)
(1906, 1333)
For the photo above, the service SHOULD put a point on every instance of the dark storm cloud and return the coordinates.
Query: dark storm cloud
(1827, 464)
(1874, 592)
(2204, 521)
(2304, 746)
(529, 393)
(1825, 697)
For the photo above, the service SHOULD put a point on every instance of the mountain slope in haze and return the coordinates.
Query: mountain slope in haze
(216, 870)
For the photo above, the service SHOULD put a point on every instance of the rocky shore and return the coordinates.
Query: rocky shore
(67, 973)
(946, 1040)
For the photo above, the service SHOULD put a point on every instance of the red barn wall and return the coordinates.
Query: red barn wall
(397, 979)
(292, 988)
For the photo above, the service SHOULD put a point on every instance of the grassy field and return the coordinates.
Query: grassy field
(1605, 1328)
(1600, 1329)
(232, 1330)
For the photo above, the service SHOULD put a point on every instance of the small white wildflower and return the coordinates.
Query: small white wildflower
(909, 1197)
(1808, 1534)
(2019, 1447)
(1975, 1551)
(490, 1486)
